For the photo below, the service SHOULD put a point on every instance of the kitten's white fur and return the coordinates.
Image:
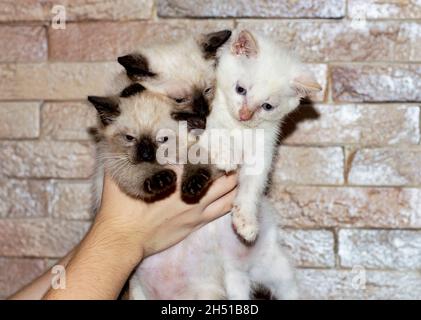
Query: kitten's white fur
(270, 75)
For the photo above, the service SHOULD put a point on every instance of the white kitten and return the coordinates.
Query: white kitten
(258, 83)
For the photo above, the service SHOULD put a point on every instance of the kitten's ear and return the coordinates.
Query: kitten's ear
(107, 108)
(305, 84)
(136, 65)
(212, 41)
(245, 44)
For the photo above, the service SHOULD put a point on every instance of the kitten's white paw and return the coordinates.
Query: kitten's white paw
(245, 225)
(227, 166)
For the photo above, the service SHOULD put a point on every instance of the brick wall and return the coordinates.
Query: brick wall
(347, 182)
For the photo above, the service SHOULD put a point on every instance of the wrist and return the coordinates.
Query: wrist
(118, 239)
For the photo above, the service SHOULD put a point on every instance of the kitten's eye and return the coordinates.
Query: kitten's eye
(129, 138)
(267, 107)
(162, 139)
(240, 90)
(208, 90)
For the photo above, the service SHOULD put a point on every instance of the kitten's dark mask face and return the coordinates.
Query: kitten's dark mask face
(131, 125)
(186, 75)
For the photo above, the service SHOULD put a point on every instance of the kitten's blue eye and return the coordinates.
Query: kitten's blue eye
(267, 107)
(240, 90)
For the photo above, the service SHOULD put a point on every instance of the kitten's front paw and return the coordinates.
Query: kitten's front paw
(160, 182)
(245, 225)
(195, 186)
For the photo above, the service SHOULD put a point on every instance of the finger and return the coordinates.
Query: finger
(219, 188)
(219, 207)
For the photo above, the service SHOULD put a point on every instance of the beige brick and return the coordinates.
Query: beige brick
(340, 40)
(19, 120)
(46, 159)
(320, 72)
(55, 81)
(374, 9)
(356, 124)
(39, 237)
(252, 8)
(381, 249)
(23, 44)
(23, 198)
(341, 284)
(309, 248)
(85, 41)
(307, 165)
(71, 201)
(325, 207)
(389, 167)
(28, 10)
(17, 272)
(377, 83)
(67, 120)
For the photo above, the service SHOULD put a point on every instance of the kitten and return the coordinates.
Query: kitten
(182, 70)
(258, 83)
(130, 129)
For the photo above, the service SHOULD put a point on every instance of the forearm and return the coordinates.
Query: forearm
(37, 289)
(100, 266)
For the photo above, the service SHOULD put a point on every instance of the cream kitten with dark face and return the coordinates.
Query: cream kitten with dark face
(129, 132)
(181, 70)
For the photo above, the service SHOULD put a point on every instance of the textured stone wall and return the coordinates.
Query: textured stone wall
(347, 180)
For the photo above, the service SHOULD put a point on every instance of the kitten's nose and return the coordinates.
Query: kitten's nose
(146, 150)
(245, 114)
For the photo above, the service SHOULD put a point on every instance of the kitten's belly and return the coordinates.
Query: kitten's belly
(194, 265)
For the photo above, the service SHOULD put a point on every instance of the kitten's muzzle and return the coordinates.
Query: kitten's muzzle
(245, 114)
(146, 150)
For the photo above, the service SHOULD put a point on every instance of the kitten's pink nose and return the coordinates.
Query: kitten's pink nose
(245, 114)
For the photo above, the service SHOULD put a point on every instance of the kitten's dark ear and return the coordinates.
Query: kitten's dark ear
(131, 90)
(136, 65)
(212, 41)
(107, 108)
(245, 44)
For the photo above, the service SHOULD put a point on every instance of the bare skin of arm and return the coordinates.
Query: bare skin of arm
(39, 287)
(124, 232)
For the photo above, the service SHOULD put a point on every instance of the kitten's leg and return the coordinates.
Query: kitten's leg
(160, 183)
(237, 285)
(245, 210)
(196, 181)
(277, 275)
(151, 182)
(270, 265)
(135, 289)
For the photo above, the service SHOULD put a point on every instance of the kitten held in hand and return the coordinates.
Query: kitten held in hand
(128, 135)
(258, 83)
(182, 70)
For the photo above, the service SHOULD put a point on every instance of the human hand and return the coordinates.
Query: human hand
(147, 228)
